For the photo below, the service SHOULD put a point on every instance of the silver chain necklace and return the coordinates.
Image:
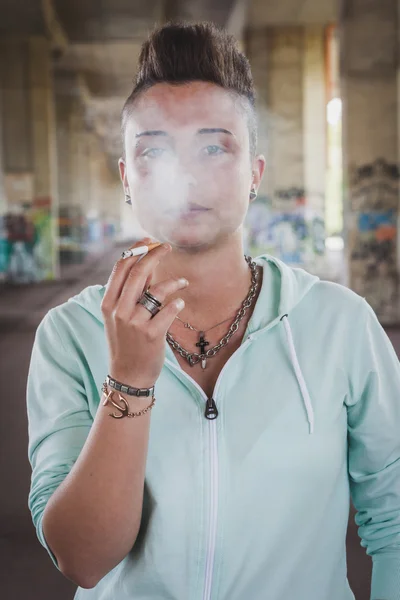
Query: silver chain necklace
(194, 357)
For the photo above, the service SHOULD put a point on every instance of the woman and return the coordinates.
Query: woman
(235, 481)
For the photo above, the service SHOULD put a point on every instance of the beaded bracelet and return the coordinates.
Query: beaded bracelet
(123, 410)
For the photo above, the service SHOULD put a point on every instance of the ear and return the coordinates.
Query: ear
(122, 172)
(258, 169)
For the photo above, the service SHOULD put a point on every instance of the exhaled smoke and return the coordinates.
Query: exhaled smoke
(169, 185)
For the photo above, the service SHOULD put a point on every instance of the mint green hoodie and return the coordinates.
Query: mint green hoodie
(253, 504)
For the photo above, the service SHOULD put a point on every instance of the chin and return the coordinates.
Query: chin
(180, 233)
(191, 241)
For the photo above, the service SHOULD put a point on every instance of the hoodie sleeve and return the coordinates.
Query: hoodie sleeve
(374, 451)
(59, 420)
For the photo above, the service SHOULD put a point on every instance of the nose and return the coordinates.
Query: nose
(189, 178)
(175, 189)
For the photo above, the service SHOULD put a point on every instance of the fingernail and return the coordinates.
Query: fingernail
(167, 246)
(183, 281)
(180, 303)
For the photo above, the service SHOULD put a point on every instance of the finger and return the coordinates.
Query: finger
(120, 273)
(116, 269)
(162, 321)
(132, 281)
(146, 241)
(161, 291)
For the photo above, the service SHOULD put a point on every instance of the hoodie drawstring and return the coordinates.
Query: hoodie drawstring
(299, 374)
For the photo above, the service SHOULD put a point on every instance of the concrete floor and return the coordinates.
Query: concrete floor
(26, 572)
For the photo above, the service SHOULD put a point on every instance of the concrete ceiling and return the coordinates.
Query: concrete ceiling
(262, 13)
(100, 39)
(108, 67)
(19, 17)
(104, 40)
(87, 21)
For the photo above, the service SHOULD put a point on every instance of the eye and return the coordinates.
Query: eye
(213, 150)
(153, 152)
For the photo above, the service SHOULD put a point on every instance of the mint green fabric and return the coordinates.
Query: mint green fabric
(254, 504)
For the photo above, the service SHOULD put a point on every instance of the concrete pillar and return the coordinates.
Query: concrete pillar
(289, 74)
(3, 207)
(369, 67)
(104, 195)
(90, 205)
(109, 196)
(2, 174)
(73, 179)
(95, 197)
(285, 174)
(315, 142)
(29, 158)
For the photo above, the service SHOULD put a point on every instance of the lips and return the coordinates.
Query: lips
(193, 206)
(190, 209)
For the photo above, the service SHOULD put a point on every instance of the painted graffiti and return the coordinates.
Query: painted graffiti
(293, 195)
(295, 236)
(26, 243)
(373, 237)
(374, 186)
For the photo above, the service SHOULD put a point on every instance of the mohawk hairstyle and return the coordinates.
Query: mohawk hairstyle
(178, 53)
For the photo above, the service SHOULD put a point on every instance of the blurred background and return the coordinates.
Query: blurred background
(327, 78)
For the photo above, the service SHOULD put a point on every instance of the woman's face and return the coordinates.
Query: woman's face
(187, 163)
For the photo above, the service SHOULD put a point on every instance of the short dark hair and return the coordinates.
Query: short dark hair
(179, 53)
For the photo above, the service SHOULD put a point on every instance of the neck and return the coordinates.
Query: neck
(219, 280)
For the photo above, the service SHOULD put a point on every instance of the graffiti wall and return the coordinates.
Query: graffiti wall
(372, 235)
(286, 227)
(72, 229)
(26, 242)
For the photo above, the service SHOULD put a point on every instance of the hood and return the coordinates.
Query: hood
(283, 288)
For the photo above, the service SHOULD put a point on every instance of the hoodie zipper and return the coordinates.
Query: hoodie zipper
(211, 409)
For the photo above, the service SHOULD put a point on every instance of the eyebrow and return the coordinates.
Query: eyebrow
(155, 132)
(215, 130)
(200, 131)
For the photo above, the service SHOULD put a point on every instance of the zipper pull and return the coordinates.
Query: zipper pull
(211, 411)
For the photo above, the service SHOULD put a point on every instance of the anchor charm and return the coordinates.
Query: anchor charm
(124, 410)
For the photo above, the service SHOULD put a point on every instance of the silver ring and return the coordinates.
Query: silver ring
(149, 305)
(153, 298)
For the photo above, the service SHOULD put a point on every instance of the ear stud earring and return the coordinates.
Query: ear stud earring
(253, 194)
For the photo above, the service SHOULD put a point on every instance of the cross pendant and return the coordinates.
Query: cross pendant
(202, 343)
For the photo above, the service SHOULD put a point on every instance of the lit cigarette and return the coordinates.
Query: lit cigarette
(141, 250)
